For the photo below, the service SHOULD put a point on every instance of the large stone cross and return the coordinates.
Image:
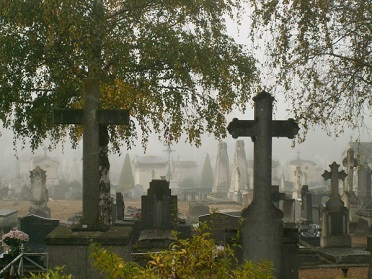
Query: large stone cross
(262, 129)
(262, 233)
(334, 175)
(92, 118)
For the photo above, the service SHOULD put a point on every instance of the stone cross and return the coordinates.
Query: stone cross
(349, 162)
(92, 118)
(334, 175)
(262, 233)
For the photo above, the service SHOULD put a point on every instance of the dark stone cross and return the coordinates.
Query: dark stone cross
(334, 175)
(262, 231)
(93, 119)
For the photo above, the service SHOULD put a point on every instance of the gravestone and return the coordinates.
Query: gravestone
(37, 229)
(222, 171)
(39, 193)
(335, 228)
(96, 185)
(221, 224)
(306, 206)
(159, 216)
(239, 173)
(8, 219)
(349, 197)
(364, 183)
(349, 162)
(262, 232)
(120, 206)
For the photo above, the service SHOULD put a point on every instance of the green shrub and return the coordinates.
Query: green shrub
(57, 273)
(193, 258)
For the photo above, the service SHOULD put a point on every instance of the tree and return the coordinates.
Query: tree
(170, 62)
(126, 180)
(206, 180)
(320, 54)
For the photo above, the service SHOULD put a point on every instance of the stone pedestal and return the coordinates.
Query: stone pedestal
(71, 249)
(335, 229)
(258, 245)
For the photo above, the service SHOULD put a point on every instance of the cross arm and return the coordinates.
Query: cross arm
(326, 175)
(247, 128)
(75, 116)
(68, 116)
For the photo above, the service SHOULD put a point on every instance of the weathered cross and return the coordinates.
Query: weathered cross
(262, 231)
(334, 175)
(92, 117)
(350, 163)
(261, 130)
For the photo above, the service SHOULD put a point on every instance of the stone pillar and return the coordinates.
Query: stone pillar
(222, 171)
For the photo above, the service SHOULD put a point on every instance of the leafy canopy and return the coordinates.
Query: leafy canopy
(170, 62)
(320, 54)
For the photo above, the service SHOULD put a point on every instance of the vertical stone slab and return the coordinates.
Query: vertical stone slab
(306, 206)
(159, 207)
(222, 171)
(39, 193)
(239, 173)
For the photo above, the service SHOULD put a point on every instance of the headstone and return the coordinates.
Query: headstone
(221, 224)
(349, 196)
(222, 171)
(364, 183)
(306, 206)
(37, 229)
(8, 219)
(262, 232)
(39, 193)
(120, 206)
(349, 162)
(159, 216)
(288, 207)
(96, 185)
(335, 228)
(239, 173)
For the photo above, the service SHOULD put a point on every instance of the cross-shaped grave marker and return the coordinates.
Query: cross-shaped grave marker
(334, 175)
(262, 233)
(91, 116)
(335, 224)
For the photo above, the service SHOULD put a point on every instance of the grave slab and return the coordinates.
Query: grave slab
(37, 229)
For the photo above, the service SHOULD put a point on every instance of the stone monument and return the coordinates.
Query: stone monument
(262, 232)
(222, 171)
(96, 185)
(239, 176)
(159, 216)
(349, 197)
(335, 229)
(69, 246)
(39, 193)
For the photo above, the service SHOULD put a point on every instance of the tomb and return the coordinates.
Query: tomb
(335, 228)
